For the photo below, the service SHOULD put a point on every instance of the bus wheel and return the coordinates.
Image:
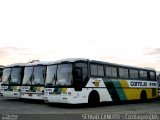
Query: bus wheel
(94, 98)
(143, 96)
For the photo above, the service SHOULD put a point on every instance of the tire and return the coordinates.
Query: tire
(93, 99)
(143, 96)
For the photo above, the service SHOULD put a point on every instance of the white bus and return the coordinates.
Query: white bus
(76, 81)
(1, 73)
(12, 80)
(33, 81)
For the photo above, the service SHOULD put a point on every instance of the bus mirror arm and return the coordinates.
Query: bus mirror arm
(77, 79)
(77, 73)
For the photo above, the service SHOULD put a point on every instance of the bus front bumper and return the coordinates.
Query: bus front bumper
(35, 96)
(11, 94)
(68, 99)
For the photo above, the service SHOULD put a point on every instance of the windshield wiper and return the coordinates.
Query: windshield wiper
(3, 84)
(26, 84)
(49, 84)
(15, 83)
(38, 84)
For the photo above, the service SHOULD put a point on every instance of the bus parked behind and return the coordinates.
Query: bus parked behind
(12, 80)
(1, 73)
(33, 81)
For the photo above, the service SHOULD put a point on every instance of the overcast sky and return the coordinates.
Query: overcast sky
(118, 31)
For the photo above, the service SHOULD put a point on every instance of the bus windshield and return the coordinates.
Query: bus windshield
(16, 76)
(39, 75)
(62, 77)
(51, 75)
(27, 76)
(6, 75)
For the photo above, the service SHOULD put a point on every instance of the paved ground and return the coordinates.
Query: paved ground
(15, 108)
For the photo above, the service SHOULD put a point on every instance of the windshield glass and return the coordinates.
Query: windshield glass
(16, 76)
(27, 76)
(6, 75)
(64, 75)
(39, 75)
(51, 75)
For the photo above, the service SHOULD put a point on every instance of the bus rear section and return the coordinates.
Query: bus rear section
(158, 80)
(76, 81)
(12, 80)
(33, 81)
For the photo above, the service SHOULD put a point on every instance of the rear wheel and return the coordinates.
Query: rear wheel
(143, 96)
(93, 99)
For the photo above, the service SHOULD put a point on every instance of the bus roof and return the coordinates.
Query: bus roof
(15, 65)
(96, 61)
(122, 65)
(37, 63)
(1, 66)
(67, 60)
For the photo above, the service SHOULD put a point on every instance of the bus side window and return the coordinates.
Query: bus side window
(123, 73)
(111, 71)
(133, 74)
(143, 74)
(93, 68)
(152, 76)
(97, 70)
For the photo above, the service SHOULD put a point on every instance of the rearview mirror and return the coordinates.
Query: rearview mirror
(77, 79)
(77, 73)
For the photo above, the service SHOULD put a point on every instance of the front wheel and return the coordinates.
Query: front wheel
(93, 99)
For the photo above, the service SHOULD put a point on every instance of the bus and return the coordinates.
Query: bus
(12, 80)
(76, 81)
(1, 73)
(33, 81)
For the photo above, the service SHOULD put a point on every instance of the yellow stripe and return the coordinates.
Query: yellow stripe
(135, 93)
(124, 83)
(15, 88)
(64, 90)
(38, 88)
(125, 87)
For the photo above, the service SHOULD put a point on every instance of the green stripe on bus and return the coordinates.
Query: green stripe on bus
(119, 90)
(112, 90)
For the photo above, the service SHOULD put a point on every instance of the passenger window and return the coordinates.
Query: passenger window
(97, 70)
(152, 75)
(100, 71)
(143, 74)
(133, 73)
(123, 73)
(111, 71)
(94, 70)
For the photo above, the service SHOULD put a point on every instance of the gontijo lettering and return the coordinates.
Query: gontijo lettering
(133, 83)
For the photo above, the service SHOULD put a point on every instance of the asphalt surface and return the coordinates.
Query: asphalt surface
(16, 109)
